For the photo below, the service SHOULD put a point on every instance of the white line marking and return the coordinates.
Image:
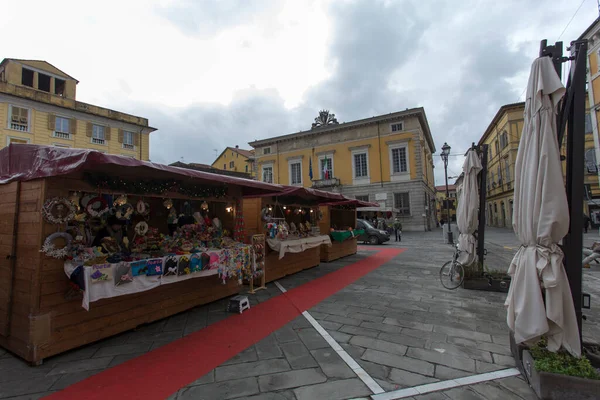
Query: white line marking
(444, 385)
(358, 370)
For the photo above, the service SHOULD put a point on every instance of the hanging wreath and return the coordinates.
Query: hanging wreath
(142, 207)
(94, 210)
(49, 248)
(58, 210)
(141, 228)
(265, 214)
(124, 211)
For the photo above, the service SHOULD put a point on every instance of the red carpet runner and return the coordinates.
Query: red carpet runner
(162, 372)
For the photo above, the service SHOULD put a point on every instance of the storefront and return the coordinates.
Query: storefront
(123, 242)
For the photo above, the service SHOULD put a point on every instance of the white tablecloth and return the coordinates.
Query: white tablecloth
(297, 245)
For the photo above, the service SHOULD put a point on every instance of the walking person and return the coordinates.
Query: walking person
(398, 229)
(586, 222)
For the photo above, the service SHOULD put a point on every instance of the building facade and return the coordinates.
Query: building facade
(38, 105)
(236, 160)
(441, 207)
(385, 159)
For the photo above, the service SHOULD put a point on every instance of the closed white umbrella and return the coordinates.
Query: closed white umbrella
(467, 210)
(541, 220)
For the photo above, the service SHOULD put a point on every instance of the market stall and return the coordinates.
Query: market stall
(92, 245)
(290, 221)
(339, 219)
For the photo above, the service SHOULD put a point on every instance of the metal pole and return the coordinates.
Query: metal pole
(482, 200)
(450, 239)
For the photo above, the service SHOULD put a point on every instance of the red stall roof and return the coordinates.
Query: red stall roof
(24, 162)
(351, 202)
(293, 193)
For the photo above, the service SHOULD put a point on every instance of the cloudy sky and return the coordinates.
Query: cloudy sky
(210, 74)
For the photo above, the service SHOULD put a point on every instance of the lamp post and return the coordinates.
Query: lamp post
(445, 154)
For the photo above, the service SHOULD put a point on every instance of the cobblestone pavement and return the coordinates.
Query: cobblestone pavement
(397, 322)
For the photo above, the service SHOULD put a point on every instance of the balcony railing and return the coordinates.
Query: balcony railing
(322, 183)
(61, 135)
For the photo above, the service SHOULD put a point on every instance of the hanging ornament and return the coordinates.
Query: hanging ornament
(75, 198)
(120, 200)
(141, 228)
(49, 248)
(142, 208)
(97, 207)
(58, 210)
(124, 211)
(204, 206)
(168, 203)
(265, 214)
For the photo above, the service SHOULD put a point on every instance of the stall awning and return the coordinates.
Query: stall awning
(294, 194)
(351, 202)
(24, 162)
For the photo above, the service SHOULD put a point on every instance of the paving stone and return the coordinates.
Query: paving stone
(120, 359)
(363, 310)
(431, 396)
(33, 396)
(431, 336)
(332, 364)
(501, 339)
(409, 379)
(374, 370)
(208, 378)
(463, 393)
(81, 365)
(300, 323)
(484, 337)
(268, 348)
(290, 379)
(142, 337)
(286, 334)
(463, 342)
(330, 326)
(387, 386)
(387, 328)
(449, 360)
(286, 395)
(27, 386)
(490, 391)
(500, 359)
(378, 344)
(115, 340)
(408, 324)
(482, 367)
(70, 379)
(402, 362)
(399, 338)
(130, 348)
(461, 351)
(340, 337)
(354, 351)
(244, 356)
(444, 373)
(494, 348)
(333, 390)
(366, 317)
(255, 368)
(343, 320)
(518, 386)
(78, 354)
(20, 371)
(221, 390)
(356, 330)
(312, 339)
(298, 355)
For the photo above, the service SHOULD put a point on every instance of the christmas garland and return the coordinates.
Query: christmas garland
(141, 228)
(100, 211)
(59, 203)
(49, 248)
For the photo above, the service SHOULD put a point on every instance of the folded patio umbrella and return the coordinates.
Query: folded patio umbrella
(541, 220)
(467, 210)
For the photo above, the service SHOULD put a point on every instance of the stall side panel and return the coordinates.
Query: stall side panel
(8, 213)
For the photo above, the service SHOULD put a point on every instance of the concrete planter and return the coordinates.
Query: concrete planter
(489, 284)
(549, 386)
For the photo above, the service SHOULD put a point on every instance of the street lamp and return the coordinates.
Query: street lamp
(445, 154)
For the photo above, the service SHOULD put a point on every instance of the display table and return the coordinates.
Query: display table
(298, 245)
(344, 244)
(340, 236)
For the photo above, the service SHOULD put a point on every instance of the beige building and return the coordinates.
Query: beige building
(236, 160)
(38, 105)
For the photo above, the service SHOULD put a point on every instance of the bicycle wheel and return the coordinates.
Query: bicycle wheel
(452, 274)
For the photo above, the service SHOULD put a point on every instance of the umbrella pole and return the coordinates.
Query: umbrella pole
(482, 199)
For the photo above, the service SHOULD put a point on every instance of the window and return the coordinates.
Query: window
(128, 141)
(362, 197)
(503, 139)
(98, 134)
(267, 150)
(402, 203)
(397, 127)
(59, 87)
(61, 128)
(44, 82)
(224, 166)
(295, 172)
(588, 123)
(496, 144)
(492, 179)
(326, 166)
(590, 161)
(399, 160)
(499, 175)
(267, 173)
(231, 165)
(490, 153)
(507, 170)
(19, 119)
(246, 167)
(360, 165)
(27, 77)
(16, 140)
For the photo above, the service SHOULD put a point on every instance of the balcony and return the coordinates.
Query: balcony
(61, 135)
(127, 146)
(324, 183)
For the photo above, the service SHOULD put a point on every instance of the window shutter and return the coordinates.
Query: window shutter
(136, 139)
(88, 129)
(107, 133)
(51, 122)
(72, 126)
(120, 135)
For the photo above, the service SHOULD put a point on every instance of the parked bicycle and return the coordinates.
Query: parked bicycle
(452, 273)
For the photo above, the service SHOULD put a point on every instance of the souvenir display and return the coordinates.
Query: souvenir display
(101, 273)
(124, 211)
(142, 208)
(120, 200)
(49, 248)
(123, 274)
(141, 228)
(97, 207)
(58, 210)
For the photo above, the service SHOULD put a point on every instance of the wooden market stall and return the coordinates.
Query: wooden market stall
(339, 220)
(77, 290)
(293, 207)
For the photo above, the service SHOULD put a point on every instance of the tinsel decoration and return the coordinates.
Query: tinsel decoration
(157, 187)
(239, 230)
(50, 249)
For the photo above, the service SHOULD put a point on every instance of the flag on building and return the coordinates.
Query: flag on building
(325, 169)
(310, 174)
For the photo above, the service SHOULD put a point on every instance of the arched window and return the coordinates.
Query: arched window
(590, 161)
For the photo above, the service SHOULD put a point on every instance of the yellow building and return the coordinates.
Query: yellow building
(385, 159)
(237, 160)
(440, 204)
(38, 105)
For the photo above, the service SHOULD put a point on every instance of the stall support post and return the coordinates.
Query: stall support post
(482, 200)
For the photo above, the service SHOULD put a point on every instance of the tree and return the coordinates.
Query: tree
(325, 118)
